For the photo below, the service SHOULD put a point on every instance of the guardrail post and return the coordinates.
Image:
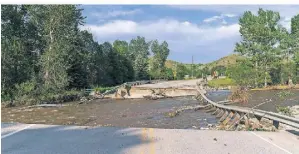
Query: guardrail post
(228, 118)
(224, 116)
(216, 112)
(276, 124)
(220, 113)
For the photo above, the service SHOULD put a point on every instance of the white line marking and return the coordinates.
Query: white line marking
(271, 143)
(4, 136)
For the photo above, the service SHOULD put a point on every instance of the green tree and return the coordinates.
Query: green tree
(243, 73)
(122, 48)
(138, 54)
(181, 71)
(19, 49)
(160, 54)
(260, 34)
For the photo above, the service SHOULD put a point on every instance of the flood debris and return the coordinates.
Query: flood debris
(157, 94)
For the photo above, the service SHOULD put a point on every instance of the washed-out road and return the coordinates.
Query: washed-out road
(53, 139)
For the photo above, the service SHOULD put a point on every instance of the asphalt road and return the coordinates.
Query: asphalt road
(50, 139)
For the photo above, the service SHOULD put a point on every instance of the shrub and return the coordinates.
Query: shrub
(239, 94)
(284, 94)
(284, 110)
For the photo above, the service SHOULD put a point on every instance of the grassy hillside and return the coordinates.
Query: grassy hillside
(224, 61)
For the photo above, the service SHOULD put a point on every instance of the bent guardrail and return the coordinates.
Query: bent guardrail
(277, 118)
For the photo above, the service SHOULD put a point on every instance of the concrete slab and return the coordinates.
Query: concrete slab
(38, 139)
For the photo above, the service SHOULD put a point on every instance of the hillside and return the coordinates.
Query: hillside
(224, 61)
(171, 64)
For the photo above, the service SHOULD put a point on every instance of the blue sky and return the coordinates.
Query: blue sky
(208, 32)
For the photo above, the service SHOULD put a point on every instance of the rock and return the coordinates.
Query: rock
(240, 127)
(254, 123)
(269, 128)
(295, 111)
(210, 125)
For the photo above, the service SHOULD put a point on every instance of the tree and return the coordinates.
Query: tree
(59, 27)
(18, 46)
(122, 48)
(242, 73)
(181, 71)
(160, 54)
(138, 53)
(259, 38)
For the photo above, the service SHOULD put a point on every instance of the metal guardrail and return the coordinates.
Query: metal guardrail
(294, 122)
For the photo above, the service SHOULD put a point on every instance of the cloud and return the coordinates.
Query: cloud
(115, 13)
(214, 18)
(218, 18)
(163, 29)
(184, 37)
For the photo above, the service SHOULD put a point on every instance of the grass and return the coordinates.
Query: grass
(224, 82)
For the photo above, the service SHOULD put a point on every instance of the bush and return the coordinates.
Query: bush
(284, 110)
(284, 94)
(239, 94)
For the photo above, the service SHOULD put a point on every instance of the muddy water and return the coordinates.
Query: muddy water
(257, 97)
(121, 113)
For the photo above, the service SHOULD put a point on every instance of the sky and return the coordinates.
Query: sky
(206, 32)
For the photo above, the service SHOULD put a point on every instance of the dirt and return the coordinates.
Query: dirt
(121, 113)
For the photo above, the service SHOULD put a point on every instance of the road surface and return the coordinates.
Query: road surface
(173, 84)
(49, 139)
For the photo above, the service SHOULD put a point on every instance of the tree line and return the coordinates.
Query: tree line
(44, 51)
(271, 51)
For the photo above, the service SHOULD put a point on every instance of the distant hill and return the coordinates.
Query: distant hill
(171, 64)
(224, 61)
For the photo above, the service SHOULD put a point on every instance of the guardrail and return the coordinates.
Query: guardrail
(223, 110)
